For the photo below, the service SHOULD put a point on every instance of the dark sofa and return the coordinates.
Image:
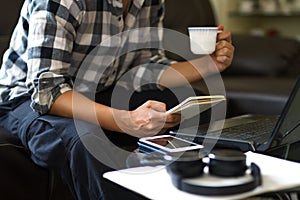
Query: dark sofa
(263, 71)
(254, 84)
(9, 16)
(262, 75)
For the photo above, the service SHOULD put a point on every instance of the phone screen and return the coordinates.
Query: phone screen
(171, 142)
(168, 143)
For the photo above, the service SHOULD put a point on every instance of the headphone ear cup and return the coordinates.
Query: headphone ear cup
(188, 165)
(227, 168)
(183, 170)
(227, 163)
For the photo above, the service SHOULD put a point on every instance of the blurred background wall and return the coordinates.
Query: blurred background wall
(260, 17)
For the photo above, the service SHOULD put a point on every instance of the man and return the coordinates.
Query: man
(54, 120)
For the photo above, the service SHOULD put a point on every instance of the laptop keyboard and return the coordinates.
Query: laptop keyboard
(259, 130)
(249, 130)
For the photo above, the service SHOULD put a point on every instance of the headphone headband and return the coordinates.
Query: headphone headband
(179, 183)
(182, 169)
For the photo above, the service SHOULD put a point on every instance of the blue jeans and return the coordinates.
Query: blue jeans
(73, 148)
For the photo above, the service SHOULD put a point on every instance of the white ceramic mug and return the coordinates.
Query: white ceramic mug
(203, 39)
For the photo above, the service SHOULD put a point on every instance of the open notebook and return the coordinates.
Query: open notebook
(195, 105)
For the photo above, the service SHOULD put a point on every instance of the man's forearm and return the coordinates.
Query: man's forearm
(74, 105)
(182, 73)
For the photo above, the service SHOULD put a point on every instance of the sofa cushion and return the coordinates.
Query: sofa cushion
(20, 177)
(255, 55)
(10, 9)
(179, 46)
(4, 42)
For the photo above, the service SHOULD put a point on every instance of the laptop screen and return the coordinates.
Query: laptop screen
(288, 130)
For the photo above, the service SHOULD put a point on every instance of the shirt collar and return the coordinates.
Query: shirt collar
(138, 3)
(118, 3)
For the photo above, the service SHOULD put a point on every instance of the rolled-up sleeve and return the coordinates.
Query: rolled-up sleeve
(147, 76)
(50, 42)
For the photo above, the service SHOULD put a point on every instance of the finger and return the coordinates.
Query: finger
(224, 60)
(173, 118)
(224, 52)
(223, 57)
(224, 44)
(224, 35)
(157, 106)
(221, 28)
(170, 125)
(224, 48)
(160, 129)
(160, 120)
(167, 118)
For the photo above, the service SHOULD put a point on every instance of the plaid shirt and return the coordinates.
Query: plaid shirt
(60, 44)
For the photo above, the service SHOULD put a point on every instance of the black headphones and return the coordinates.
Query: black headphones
(224, 163)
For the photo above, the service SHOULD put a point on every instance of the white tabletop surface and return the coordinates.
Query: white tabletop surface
(155, 183)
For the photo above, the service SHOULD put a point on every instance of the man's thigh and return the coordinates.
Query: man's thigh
(50, 137)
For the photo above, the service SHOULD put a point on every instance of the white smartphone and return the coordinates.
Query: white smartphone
(167, 144)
